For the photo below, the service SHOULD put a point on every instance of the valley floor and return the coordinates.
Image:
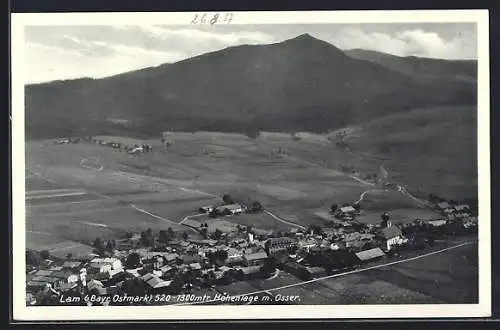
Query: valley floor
(77, 192)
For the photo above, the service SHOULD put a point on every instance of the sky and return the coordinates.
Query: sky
(69, 52)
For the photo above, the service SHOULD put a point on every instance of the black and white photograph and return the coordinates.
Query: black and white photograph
(213, 165)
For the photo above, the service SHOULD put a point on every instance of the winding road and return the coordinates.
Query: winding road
(284, 221)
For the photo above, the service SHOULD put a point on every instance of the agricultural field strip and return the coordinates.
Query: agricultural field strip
(48, 191)
(348, 273)
(284, 221)
(40, 176)
(131, 205)
(90, 167)
(41, 196)
(189, 217)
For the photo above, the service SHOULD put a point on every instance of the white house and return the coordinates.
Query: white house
(113, 262)
(99, 267)
(233, 208)
(346, 212)
(392, 236)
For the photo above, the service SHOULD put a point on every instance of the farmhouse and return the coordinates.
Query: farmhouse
(112, 262)
(71, 264)
(391, 236)
(280, 244)
(462, 208)
(443, 205)
(255, 259)
(206, 209)
(37, 285)
(307, 243)
(437, 223)
(154, 283)
(99, 267)
(346, 212)
(369, 255)
(251, 270)
(43, 273)
(66, 276)
(53, 281)
(230, 209)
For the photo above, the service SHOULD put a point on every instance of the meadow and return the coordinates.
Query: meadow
(296, 180)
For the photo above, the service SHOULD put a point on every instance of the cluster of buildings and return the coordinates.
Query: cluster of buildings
(183, 265)
(131, 149)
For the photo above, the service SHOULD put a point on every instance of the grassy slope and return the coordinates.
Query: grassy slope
(430, 150)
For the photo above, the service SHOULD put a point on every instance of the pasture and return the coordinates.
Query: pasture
(157, 190)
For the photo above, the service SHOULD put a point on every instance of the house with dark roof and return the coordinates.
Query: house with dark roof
(391, 236)
(66, 276)
(255, 259)
(346, 212)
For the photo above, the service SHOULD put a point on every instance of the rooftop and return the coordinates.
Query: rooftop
(256, 256)
(391, 232)
(370, 254)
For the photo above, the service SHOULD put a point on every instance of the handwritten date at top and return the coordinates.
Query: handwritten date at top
(212, 19)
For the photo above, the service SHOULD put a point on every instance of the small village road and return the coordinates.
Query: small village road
(346, 273)
(284, 221)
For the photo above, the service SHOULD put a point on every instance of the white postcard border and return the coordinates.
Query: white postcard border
(43, 313)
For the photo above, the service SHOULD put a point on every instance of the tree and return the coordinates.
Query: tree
(218, 257)
(146, 240)
(249, 229)
(217, 234)
(133, 260)
(98, 244)
(34, 258)
(356, 206)
(269, 266)
(385, 219)
(45, 254)
(170, 233)
(333, 208)
(316, 230)
(213, 213)
(227, 199)
(185, 236)
(111, 244)
(256, 207)
(385, 216)
(69, 256)
(163, 237)
(252, 133)
(204, 232)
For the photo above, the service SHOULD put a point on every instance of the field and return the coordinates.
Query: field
(77, 192)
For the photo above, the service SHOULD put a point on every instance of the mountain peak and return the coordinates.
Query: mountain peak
(309, 44)
(305, 37)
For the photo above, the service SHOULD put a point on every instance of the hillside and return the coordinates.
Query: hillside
(302, 84)
(429, 150)
(421, 68)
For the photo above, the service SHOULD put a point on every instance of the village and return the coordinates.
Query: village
(167, 264)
